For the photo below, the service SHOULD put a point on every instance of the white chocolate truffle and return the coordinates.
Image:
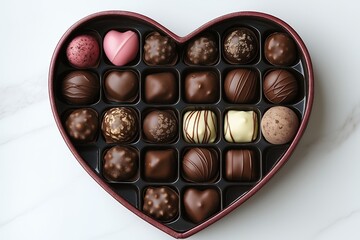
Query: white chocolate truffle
(279, 125)
(240, 126)
(200, 126)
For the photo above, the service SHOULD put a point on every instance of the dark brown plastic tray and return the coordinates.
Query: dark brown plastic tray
(130, 193)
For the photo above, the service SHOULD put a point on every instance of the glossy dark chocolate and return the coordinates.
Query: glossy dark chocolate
(241, 85)
(280, 49)
(161, 88)
(120, 163)
(241, 165)
(120, 124)
(80, 87)
(200, 204)
(159, 50)
(160, 126)
(160, 165)
(202, 87)
(240, 46)
(280, 86)
(82, 125)
(200, 165)
(202, 51)
(121, 86)
(161, 203)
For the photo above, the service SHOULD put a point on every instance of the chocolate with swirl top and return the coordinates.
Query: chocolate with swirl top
(200, 165)
(240, 126)
(200, 126)
(241, 86)
(280, 86)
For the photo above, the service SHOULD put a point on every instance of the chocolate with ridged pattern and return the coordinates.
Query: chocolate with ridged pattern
(241, 165)
(241, 85)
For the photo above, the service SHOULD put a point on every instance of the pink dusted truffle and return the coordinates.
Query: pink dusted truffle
(121, 47)
(83, 51)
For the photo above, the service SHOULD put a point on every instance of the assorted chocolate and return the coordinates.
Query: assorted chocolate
(180, 134)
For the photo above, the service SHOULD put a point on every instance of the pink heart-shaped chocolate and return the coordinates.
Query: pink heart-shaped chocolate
(194, 205)
(121, 47)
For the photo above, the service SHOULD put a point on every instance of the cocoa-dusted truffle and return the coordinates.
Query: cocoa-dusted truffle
(280, 86)
(202, 51)
(160, 126)
(120, 163)
(241, 86)
(202, 87)
(161, 203)
(241, 165)
(120, 125)
(279, 125)
(161, 88)
(80, 87)
(240, 46)
(82, 125)
(159, 50)
(200, 165)
(280, 49)
(121, 86)
(160, 165)
(200, 204)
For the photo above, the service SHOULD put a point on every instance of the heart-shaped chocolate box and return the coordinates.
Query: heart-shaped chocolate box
(131, 193)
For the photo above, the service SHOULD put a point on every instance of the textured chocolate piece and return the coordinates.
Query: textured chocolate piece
(241, 165)
(120, 125)
(280, 86)
(200, 126)
(161, 88)
(240, 126)
(80, 87)
(121, 86)
(161, 203)
(120, 163)
(280, 49)
(159, 50)
(240, 46)
(200, 165)
(160, 126)
(202, 51)
(201, 204)
(160, 165)
(83, 51)
(279, 125)
(202, 87)
(241, 86)
(82, 125)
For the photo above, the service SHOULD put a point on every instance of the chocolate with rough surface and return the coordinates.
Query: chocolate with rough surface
(82, 125)
(202, 51)
(160, 126)
(159, 50)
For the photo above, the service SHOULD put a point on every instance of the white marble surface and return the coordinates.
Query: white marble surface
(45, 194)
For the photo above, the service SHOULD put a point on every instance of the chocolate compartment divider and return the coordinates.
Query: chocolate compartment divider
(133, 190)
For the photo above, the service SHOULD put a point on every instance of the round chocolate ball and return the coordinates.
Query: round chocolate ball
(240, 46)
(82, 125)
(120, 163)
(280, 49)
(202, 51)
(80, 87)
(280, 86)
(202, 87)
(83, 51)
(241, 86)
(120, 125)
(279, 125)
(161, 203)
(160, 126)
(121, 86)
(159, 50)
(200, 165)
